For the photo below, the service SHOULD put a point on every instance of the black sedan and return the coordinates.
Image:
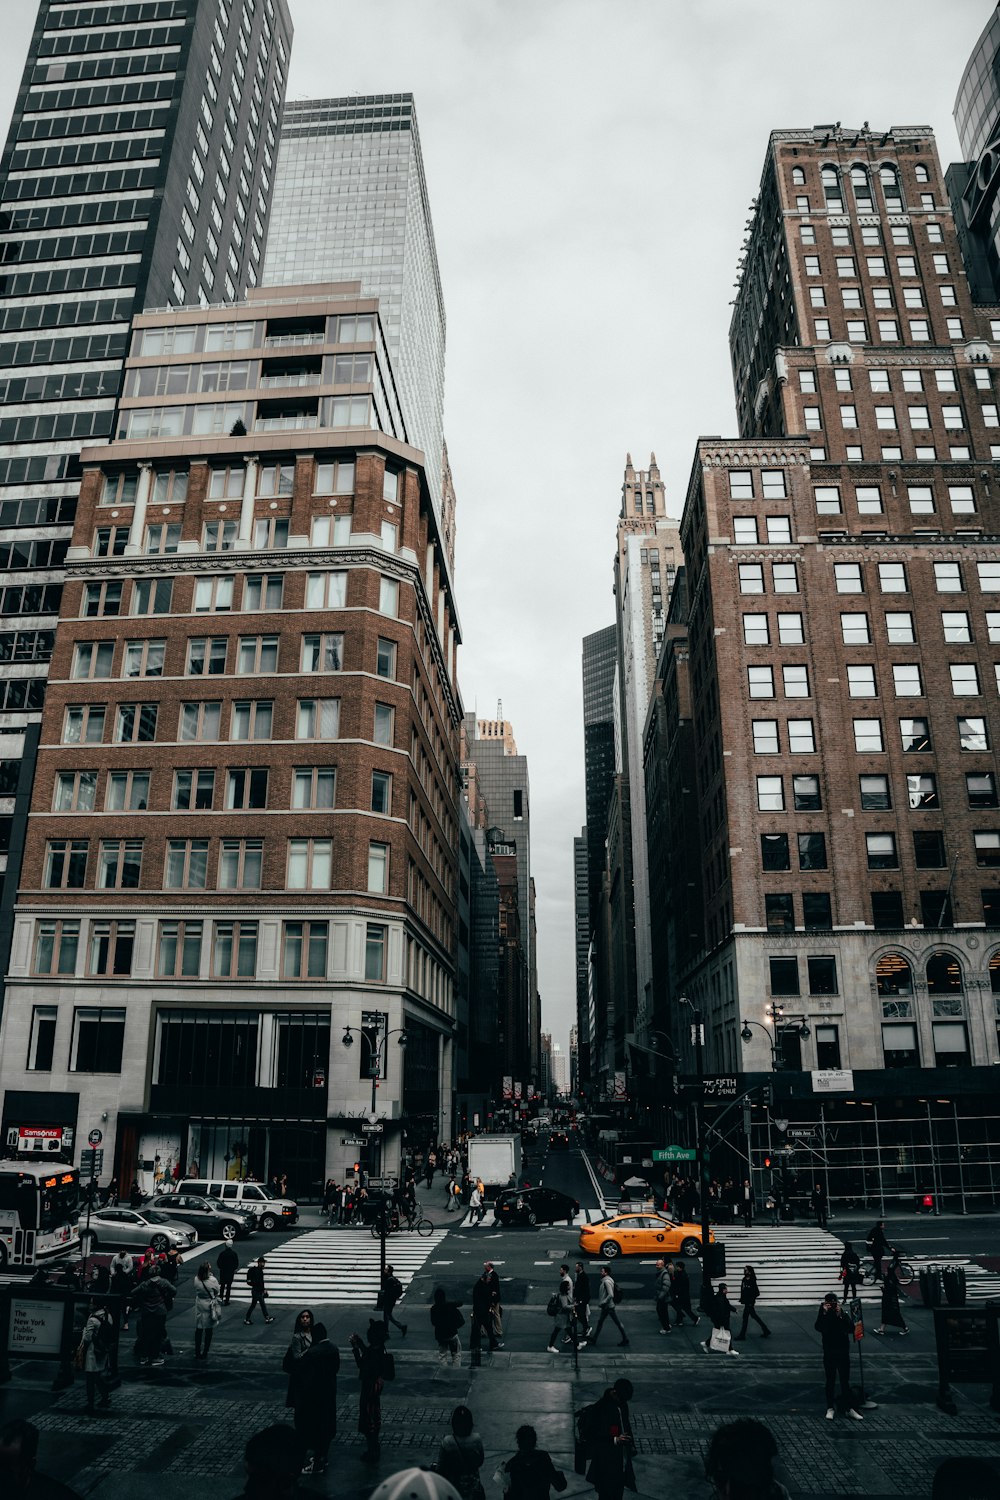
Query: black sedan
(212, 1218)
(538, 1205)
(559, 1141)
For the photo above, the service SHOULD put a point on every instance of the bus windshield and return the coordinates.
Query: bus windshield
(59, 1200)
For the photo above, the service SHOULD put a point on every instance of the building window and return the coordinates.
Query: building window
(936, 909)
(42, 1042)
(93, 659)
(65, 864)
(955, 626)
(755, 630)
(868, 736)
(964, 679)
(847, 577)
(102, 600)
(892, 578)
(817, 915)
(785, 577)
(375, 946)
(861, 682)
(751, 578)
(381, 800)
(314, 786)
(784, 977)
(778, 913)
(948, 577)
(98, 1039)
(915, 734)
(383, 724)
(854, 629)
(806, 793)
(765, 737)
(263, 591)
(241, 864)
(200, 721)
(179, 950)
(257, 655)
(875, 796)
(219, 536)
(770, 794)
(119, 865)
(246, 788)
(928, 850)
(213, 595)
(981, 788)
(960, 495)
(899, 1044)
(251, 721)
(304, 950)
(234, 950)
(827, 1044)
(322, 653)
(310, 865)
(951, 1044)
(899, 627)
(378, 869)
(761, 682)
(887, 910)
(973, 734)
(334, 478)
(774, 851)
(151, 596)
(388, 597)
(906, 680)
(206, 657)
(317, 719)
(812, 851)
(144, 658)
(801, 737)
(987, 846)
(186, 865)
(194, 790)
(822, 975)
(326, 590)
(744, 530)
(881, 849)
(385, 659)
(57, 944)
(779, 529)
(795, 680)
(868, 499)
(75, 791)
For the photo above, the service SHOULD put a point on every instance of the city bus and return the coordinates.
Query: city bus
(39, 1204)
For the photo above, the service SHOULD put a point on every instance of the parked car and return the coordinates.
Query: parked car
(270, 1211)
(134, 1229)
(642, 1234)
(537, 1205)
(212, 1218)
(559, 1141)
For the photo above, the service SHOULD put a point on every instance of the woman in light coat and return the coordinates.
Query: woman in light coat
(98, 1339)
(207, 1309)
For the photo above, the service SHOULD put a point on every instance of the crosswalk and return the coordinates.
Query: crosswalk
(582, 1216)
(341, 1266)
(797, 1265)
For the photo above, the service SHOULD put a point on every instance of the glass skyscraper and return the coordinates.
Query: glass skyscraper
(350, 204)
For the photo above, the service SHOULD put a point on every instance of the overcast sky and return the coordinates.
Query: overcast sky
(590, 164)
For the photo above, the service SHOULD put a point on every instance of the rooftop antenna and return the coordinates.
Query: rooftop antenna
(499, 708)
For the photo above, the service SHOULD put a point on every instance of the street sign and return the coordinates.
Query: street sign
(833, 1081)
(92, 1164)
(674, 1153)
(353, 1140)
(95, 1137)
(801, 1133)
(721, 1087)
(390, 1182)
(369, 1128)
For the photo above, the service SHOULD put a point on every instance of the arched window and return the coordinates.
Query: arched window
(831, 190)
(862, 190)
(893, 976)
(995, 973)
(944, 974)
(889, 178)
(921, 173)
(798, 177)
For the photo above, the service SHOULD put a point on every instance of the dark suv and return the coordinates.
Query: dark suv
(213, 1219)
(537, 1205)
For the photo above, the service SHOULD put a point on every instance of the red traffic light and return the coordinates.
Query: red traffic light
(767, 1161)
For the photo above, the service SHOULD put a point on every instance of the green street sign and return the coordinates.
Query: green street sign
(674, 1153)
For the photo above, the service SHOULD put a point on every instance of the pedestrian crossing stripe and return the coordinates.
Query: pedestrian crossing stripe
(582, 1216)
(341, 1267)
(796, 1265)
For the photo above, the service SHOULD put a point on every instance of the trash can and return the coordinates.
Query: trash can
(715, 1261)
(954, 1285)
(930, 1286)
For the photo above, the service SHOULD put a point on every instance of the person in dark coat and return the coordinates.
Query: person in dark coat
(850, 1269)
(531, 1474)
(891, 1313)
(878, 1246)
(610, 1442)
(375, 1366)
(819, 1204)
(228, 1263)
(389, 1294)
(482, 1314)
(662, 1285)
(313, 1389)
(749, 1292)
(835, 1327)
(680, 1294)
(446, 1320)
(581, 1300)
(153, 1298)
(747, 1201)
(258, 1291)
(721, 1314)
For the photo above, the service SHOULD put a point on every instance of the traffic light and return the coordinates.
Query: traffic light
(765, 1161)
(767, 1095)
(357, 1168)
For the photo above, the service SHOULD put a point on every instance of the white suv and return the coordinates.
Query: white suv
(271, 1211)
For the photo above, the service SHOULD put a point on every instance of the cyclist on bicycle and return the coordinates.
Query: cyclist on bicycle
(879, 1247)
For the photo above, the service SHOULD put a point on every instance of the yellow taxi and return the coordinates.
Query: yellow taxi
(642, 1233)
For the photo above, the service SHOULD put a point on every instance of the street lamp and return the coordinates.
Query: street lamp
(378, 1051)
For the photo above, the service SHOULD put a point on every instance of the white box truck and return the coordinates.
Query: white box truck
(494, 1158)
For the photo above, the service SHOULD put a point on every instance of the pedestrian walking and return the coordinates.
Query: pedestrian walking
(774, 1206)
(819, 1204)
(878, 1246)
(431, 1167)
(749, 1292)
(258, 1291)
(446, 1320)
(607, 1296)
(153, 1298)
(482, 1314)
(389, 1294)
(302, 1337)
(461, 1456)
(721, 1313)
(476, 1206)
(680, 1294)
(207, 1309)
(663, 1289)
(375, 1366)
(560, 1309)
(312, 1387)
(606, 1431)
(747, 1202)
(581, 1301)
(835, 1327)
(891, 1312)
(97, 1343)
(121, 1269)
(496, 1306)
(530, 1474)
(850, 1269)
(227, 1263)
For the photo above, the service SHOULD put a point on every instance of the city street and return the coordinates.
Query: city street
(188, 1423)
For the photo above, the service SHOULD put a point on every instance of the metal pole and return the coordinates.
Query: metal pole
(698, 1037)
(934, 1172)
(826, 1155)
(958, 1154)
(90, 1204)
(878, 1158)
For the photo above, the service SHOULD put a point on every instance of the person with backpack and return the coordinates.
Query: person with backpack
(608, 1295)
(530, 1474)
(461, 1456)
(227, 1263)
(97, 1343)
(680, 1294)
(389, 1294)
(606, 1442)
(446, 1320)
(153, 1298)
(560, 1310)
(749, 1292)
(312, 1390)
(207, 1309)
(258, 1292)
(850, 1269)
(375, 1366)
(663, 1286)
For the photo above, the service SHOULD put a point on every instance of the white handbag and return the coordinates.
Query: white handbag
(721, 1340)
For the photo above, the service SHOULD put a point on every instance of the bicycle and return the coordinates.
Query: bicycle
(872, 1273)
(394, 1224)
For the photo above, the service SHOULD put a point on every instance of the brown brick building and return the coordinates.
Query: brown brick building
(843, 615)
(243, 823)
